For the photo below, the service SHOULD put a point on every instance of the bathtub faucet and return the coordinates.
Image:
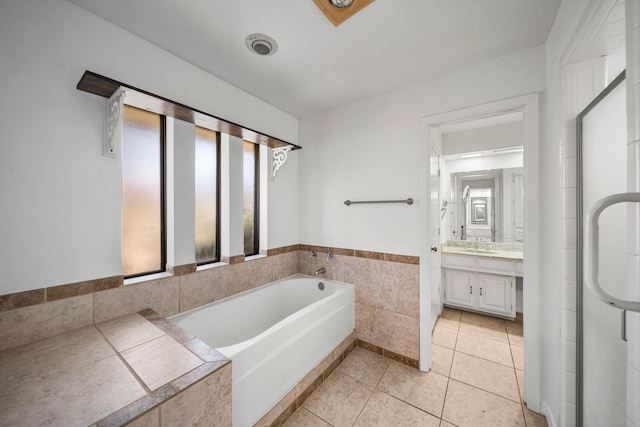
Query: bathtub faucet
(321, 270)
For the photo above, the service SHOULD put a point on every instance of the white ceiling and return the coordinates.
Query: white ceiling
(389, 44)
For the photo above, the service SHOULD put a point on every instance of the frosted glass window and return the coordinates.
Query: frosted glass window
(250, 193)
(206, 196)
(142, 192)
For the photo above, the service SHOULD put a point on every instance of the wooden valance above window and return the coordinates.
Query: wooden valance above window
(104, 86)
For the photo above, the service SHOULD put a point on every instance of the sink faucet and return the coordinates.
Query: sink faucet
(321, 270)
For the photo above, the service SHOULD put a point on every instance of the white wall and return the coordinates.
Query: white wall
(553, 289)
(487, 138)
(60, 199)
(283, 204)
(371, 150)
(502, 161)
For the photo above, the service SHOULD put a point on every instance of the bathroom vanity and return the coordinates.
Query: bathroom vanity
(480, 276)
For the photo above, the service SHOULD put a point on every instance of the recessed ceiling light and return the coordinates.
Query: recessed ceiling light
(261, 44)
(341, 3)
(468, 156)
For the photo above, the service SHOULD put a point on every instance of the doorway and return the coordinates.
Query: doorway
(527, 106)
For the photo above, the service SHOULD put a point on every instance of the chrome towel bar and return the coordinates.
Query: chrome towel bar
(408, 201)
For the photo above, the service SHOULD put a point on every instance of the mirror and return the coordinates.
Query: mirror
(486, 205)
(478, 210)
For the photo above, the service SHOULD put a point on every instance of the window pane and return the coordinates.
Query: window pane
(250, 200)
(142, 249)
(206, 196)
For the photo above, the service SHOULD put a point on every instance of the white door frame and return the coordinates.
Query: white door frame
(529, 105)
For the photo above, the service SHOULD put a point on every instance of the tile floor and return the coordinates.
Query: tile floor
(476, 380)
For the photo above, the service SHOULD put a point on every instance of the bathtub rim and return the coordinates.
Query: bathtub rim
(237, 347)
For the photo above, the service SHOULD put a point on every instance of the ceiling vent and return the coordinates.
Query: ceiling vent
(261, 44)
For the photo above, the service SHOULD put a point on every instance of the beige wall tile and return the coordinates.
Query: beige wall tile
(161, 295)
(363, 321)
(28, 324)
(304, 262)
(285, 265)
(251, 274)
(396, 332)
(207, 402)
(355, 271)
(21, 299)
(205, 286)
(395, 287)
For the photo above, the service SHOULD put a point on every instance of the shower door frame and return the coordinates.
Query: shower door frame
(580, 246)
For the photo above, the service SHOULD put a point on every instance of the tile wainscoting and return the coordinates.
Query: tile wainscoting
(387, 291)
(387, 295)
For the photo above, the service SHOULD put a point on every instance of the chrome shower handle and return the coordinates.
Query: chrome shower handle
(592, 251)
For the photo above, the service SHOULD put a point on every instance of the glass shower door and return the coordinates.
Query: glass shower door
(602, 354)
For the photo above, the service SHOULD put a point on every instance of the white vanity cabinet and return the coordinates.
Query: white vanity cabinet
(481, 284)
(459, 287)
(496, 294)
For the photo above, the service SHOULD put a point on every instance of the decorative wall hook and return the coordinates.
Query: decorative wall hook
(279, 158)
(113, 137)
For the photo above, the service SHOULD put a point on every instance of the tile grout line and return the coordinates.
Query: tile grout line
(522, 405)
(364, 406)
(488, 391)
(147, 390)
(488, 360)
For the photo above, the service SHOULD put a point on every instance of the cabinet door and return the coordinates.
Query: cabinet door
(460, 288)
(496, 294)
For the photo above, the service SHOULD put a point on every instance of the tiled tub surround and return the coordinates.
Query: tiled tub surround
(137, 369)
(26, 320)
(387, 296)
(275, 335)
(387, 288)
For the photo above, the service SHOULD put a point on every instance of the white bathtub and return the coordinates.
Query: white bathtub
(274, 335)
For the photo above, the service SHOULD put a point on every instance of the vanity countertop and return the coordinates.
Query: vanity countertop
(484, 249)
